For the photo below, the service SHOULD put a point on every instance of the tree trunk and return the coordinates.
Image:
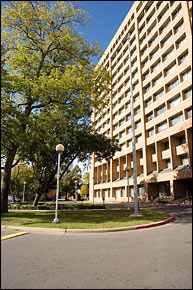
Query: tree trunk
(44, 188)
(37, 197)
(7, 178)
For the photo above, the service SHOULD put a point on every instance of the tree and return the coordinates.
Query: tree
(84, 189)
(46, 69)
(20, 174)
(70, 181)
(79, 143)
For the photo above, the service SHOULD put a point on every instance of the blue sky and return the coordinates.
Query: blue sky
(106, 17)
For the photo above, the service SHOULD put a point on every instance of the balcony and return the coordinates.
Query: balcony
(154, 157)
(166, 154)
(141, 162)
(182, 149)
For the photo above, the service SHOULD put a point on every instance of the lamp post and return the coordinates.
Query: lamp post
(24, 183)
(136, 214)
(59, 150)
(76, 187)
(127, 180)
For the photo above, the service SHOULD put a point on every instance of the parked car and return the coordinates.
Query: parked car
(63, 199)
(10, 198)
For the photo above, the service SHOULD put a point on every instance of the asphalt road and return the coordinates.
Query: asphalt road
(154, 258)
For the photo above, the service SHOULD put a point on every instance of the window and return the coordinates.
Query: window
(150, 116)
(116, 126)
(150, 132)
(121, 111)
(177, 119)
(186, 75)
(178, 26)
(163, 27)
(136, 98)
(151, 27)
(123, 146)
(176, 12)
(162, 127)
(166, 40)
(159, 94)
(189, 113)
(147, 88)
(139, 138)
(155, 51)
(122, 121)
(168, 54)
(137, 110)
(172, 85)
(143, 38)
(115, 115)
(152, 40)
(158, 4)
(134, 73)
(138, 125)
(170, 69)
(146, 74)
(175, 102)
(160, 16)
(130, 143)
(181, 41)
(145, 62)
(187, 93)
(122, 134)
(155, 66)
(129, 131)
(135, 85)
(183, 57)
(149, 102)
(144, 50)
(157, 80)
(161, 110)
(166, 145)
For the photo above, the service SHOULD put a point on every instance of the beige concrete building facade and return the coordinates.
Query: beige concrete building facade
(156, 38)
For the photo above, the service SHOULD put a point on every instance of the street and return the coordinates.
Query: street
(155, 258)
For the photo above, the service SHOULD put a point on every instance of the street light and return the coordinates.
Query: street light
(127, 180)
(136, 214)
(76, 188)
(24, 183)
(59, 150)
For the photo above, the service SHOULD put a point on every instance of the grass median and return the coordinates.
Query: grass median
(81, 219)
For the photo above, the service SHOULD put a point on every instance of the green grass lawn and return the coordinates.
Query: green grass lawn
(80, 219)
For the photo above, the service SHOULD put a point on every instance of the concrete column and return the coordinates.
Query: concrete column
(172, 188)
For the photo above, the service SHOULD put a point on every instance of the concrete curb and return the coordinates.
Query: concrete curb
(58, 231)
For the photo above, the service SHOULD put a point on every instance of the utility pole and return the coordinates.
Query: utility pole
(136, 214)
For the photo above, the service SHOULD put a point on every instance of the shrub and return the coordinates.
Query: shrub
(163, 199)
(44, 207)
(27, 206)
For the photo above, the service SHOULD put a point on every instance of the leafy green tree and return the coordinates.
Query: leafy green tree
(20, 174)
(84, 190)
(47, 73)
(70, 182)
(46, 70)
(79, 143)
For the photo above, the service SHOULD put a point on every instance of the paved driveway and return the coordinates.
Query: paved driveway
(155, 258)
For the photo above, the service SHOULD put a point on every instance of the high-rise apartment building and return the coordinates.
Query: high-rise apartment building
(156, 38)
